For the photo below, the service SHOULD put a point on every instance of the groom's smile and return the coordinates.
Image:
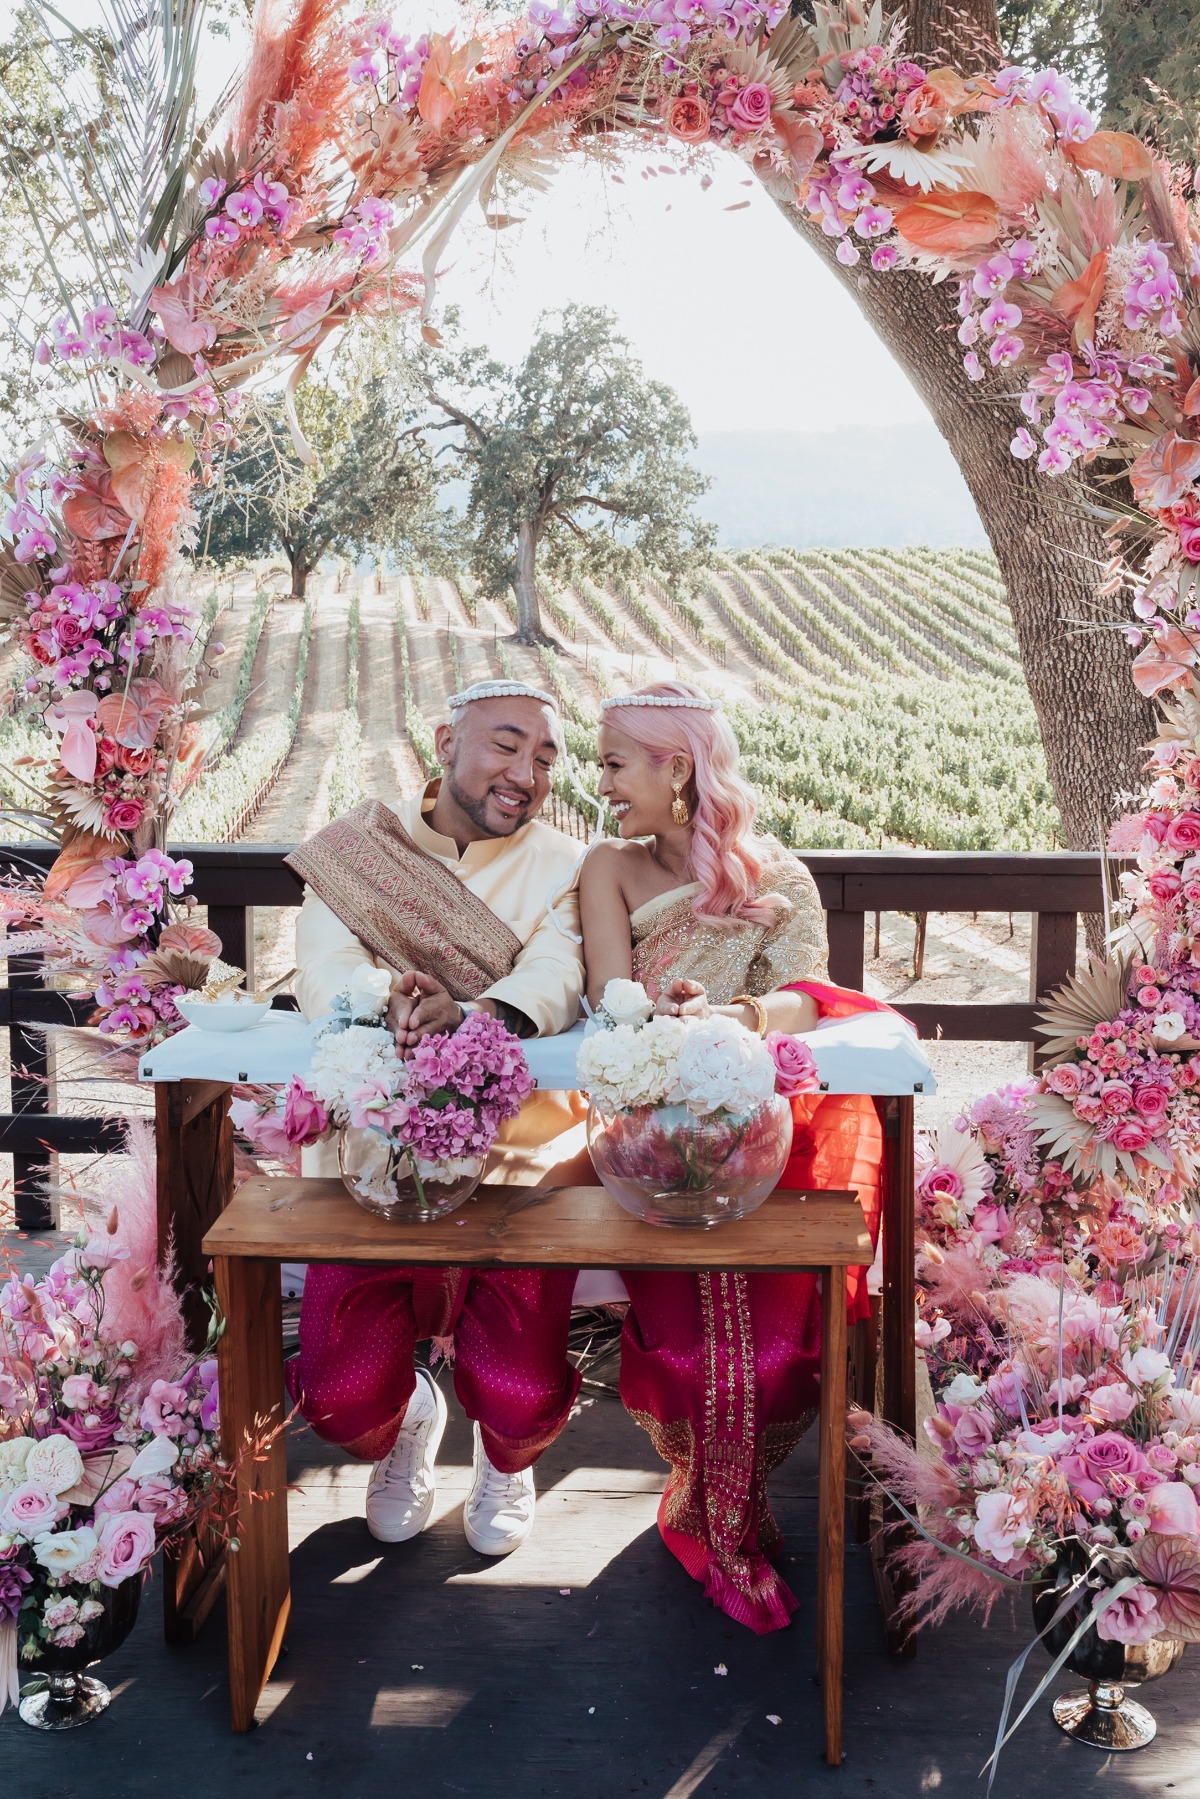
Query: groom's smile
(499, 761)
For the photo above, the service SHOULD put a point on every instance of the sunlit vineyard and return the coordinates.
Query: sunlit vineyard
(877, 695)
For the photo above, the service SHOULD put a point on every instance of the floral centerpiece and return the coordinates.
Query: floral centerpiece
(414, 1131)
(108, 1452)
(690, 1119)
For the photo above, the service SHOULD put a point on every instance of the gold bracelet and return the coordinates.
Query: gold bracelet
(757, 1007)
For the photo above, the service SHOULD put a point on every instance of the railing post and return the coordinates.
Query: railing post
(846, 948)
(1053, 943)
(30, 1093)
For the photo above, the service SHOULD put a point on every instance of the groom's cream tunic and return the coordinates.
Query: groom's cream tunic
(529, 880)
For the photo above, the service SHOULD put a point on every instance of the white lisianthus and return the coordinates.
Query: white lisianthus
(55, 1463)
(1169, 1025)
(723, 1067)
(13, 1455)
(367, 991)
(626, 1002)
(61, 1552)
(346, 1061)
(964, 1389)
(1147, 1369)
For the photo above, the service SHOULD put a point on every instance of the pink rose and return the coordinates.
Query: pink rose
(79, 1392)
(304, 1117)
(1189, 538)
(1151, 1100)
(795, 1066)
(69, 631)
(1172, 1510)
(973, 1431)
(126, 1545)
(751, 110)
(123, 815)
(924, 113)
(117, 1498)
(689, 119)
(1066, 1079)
(265, 1131)
(1164, 884)
(1183, 833)
(990, 1222)
(942, 1182)
(1155, 825)
(1089, 1108)
(1111, 1403)
(29, 1510)
(1116, 1097)
(161, 1500)
(1130, 1135)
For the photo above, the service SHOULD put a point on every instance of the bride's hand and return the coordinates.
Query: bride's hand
(684, 999)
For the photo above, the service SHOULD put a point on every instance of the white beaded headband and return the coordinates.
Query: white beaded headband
(658, 699)
(499, 690)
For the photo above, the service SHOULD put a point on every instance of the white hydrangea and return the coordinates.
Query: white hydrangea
(723, 1067)
(632, 1065)
(345, 1061)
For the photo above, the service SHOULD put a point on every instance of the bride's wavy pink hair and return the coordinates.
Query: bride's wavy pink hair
(726, 858)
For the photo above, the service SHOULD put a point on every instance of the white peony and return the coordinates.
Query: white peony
(55, 1463)
(723, 1067)
(626, 1002)
(13, 1455)
(61, 1552)
(368, 990)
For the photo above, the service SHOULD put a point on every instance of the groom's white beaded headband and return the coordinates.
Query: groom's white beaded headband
(499, 690)
(658, 699)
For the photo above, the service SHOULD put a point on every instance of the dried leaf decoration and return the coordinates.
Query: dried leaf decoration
(1080, 1004)
(976, 95)
(1165, 662)
(81, 855)
(1077, 301)
(1112, 153)
(948, 222)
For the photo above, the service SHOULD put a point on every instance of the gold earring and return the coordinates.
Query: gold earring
(679, 806)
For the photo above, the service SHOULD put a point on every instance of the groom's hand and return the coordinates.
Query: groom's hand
(419, 1007)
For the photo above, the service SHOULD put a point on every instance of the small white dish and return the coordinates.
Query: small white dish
(223, 1015)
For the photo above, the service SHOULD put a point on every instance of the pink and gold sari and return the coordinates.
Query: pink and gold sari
(722, 1369)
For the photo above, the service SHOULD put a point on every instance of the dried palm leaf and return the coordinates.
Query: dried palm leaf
(1087, 999)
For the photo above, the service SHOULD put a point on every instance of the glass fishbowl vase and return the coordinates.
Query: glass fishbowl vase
(670, 1166)
(382, 1178)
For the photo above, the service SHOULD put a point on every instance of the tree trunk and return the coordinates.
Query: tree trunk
(529, 606)
(301, 570)
(1093, 721)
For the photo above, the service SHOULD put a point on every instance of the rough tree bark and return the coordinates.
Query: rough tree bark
(1093, 721)
(529, 605)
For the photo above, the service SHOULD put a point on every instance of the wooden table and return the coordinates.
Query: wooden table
(270, 1221)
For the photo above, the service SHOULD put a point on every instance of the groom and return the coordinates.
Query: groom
(470, 900)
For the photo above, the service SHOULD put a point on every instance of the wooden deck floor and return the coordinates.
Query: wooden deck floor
(584, 1666)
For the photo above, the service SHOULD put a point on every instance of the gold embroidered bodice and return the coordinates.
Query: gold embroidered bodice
(670, 942)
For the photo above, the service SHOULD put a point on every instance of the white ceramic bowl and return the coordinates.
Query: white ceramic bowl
(223, 1015)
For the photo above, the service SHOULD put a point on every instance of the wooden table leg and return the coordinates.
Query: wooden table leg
(194, 1144)
(250, 1356)
(832, 1507)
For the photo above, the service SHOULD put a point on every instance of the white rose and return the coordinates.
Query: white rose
(1169, 1025)
(368, 991)
(626, 1002)
(155, 1457)
(55, 1463)
(14, 1453)
(964, 1389)
(61, 1552)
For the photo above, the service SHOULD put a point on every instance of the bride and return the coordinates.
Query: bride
(720, 1369)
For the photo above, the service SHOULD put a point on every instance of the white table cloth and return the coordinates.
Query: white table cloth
(873, 1052)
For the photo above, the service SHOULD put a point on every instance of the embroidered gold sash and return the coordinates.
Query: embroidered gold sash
(408, 908)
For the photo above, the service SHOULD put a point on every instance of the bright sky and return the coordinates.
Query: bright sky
(729, 307)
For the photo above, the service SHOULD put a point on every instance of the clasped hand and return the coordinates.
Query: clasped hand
(420, 1006)
(684, 999)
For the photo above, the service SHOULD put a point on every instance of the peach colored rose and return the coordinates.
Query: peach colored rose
(688, 119)
(924, 113)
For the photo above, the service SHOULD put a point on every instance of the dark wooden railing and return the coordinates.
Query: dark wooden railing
(232, 879)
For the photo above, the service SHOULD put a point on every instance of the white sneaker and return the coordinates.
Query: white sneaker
(403, 1486)
(498, 1515)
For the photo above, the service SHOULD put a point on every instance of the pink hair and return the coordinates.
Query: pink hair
(726, 856)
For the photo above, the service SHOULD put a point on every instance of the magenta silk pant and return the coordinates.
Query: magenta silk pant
(354, 1375)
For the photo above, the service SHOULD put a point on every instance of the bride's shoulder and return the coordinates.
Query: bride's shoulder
(784, 872)
(606, 861)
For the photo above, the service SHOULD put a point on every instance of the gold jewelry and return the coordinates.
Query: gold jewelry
(757, 1007)
(679, 806)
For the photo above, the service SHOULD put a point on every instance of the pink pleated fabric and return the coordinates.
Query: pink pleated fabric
(359, 1327)
(723, 1370)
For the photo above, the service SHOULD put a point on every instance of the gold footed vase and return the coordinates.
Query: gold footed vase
(1104, 1717)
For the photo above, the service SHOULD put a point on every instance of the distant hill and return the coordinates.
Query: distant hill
(896, 486)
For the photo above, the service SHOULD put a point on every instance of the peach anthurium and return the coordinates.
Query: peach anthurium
(442, 83)
(1077, 301)
(949, 221)
(1112, 153)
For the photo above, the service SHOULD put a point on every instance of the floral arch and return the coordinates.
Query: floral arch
(345, 153)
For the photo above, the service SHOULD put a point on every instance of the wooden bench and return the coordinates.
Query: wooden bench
(270, 1221)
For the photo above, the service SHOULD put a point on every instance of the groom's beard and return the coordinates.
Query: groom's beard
(477, 810)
